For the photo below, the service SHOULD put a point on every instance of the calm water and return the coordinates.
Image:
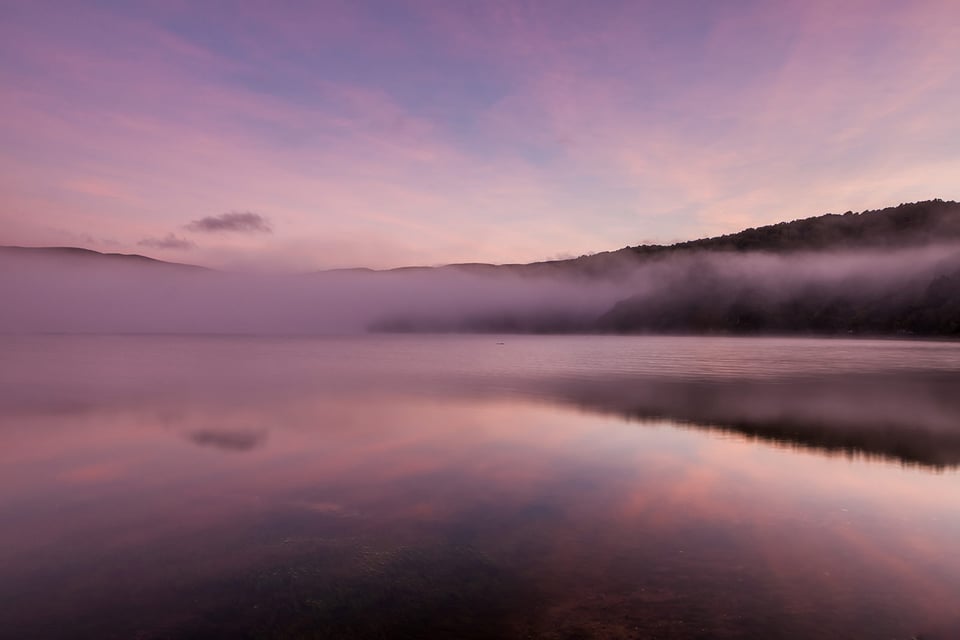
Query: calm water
(457, 487)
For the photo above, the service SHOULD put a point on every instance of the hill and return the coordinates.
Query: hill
(907, 225)
(893, 271)
(913, 224)
(78, 257)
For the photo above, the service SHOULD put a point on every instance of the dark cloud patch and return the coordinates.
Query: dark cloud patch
(240, 221)
(229, 440)
(169, 241)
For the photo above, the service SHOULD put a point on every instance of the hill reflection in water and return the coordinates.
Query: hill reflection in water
(912, 417)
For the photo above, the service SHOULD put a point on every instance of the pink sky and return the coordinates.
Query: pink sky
(384, 134)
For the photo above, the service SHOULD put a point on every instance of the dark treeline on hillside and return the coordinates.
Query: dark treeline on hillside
(908, 225)
(928, 304)
(912, 224)
(891, 271)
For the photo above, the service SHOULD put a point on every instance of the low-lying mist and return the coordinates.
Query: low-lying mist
(913, 290)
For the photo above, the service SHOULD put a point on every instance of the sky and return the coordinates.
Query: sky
(311, 135)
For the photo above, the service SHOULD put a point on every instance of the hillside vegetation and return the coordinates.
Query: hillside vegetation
(893, 271)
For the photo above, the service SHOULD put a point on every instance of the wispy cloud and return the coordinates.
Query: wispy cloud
(567, 130)
(169, 241)
(240, 221)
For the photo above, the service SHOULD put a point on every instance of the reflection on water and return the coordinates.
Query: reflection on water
(912, 417)
(453, 487)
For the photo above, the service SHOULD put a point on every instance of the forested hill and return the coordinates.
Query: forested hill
(893, 271)
(908, 225)
(911, 287)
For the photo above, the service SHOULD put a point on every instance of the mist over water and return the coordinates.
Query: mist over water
(63, 293)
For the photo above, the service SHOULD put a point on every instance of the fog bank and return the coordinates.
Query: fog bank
(684, 291)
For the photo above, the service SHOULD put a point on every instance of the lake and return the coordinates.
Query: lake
(478, 487)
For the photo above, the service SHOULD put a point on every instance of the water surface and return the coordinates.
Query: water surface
(478, 487)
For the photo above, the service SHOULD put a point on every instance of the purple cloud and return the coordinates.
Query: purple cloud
(242, 221)
(169, 241)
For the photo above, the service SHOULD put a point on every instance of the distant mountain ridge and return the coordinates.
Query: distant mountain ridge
(906, 225)
(906, 281)
(78, 255)
(910, 224)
